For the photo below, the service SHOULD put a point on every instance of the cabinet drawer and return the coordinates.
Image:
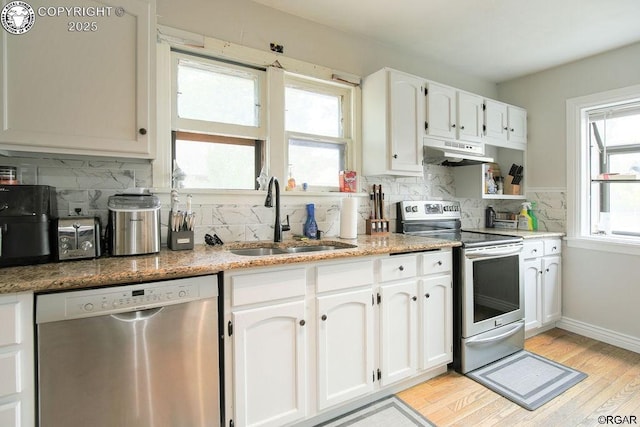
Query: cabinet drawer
(9, 313)
(552, 246)
(267, 286)
(533, 249)
(398, 267)
(10, 414)
(10, 373)
(332, 277)
(436, 262)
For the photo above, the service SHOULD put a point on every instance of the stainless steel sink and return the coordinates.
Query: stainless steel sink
(296, 249)
(258, 251)
(283, 250)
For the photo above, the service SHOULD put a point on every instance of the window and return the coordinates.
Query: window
(318, 131)
(217, 122)
(603, 165)
(212, 161)
(614, 159)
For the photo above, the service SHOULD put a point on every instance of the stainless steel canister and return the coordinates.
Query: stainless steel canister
(134, 224)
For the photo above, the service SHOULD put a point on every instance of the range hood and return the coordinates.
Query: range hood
(454, 153)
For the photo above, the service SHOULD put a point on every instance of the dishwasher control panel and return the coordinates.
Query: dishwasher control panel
(118, 299)
(136, 299)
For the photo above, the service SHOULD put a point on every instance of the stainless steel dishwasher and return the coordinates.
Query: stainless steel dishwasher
(143, 355)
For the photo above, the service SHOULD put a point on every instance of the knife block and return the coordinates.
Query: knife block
(511, 189)
(377, 227)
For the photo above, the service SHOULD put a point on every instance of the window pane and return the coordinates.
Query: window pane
(217, 94)
(216, 165)
(316, 163)
(313, 112)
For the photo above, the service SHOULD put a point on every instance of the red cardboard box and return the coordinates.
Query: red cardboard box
(348, 182)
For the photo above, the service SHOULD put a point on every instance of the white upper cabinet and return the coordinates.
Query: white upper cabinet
(81, 85)
(505, 125)
(453, 114)
(393, 115)
(469, 117)
(441, 111)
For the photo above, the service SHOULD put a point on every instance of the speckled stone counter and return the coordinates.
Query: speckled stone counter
(520, 233)
(202, 260)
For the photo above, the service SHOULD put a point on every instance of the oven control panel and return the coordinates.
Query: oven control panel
(425, 209)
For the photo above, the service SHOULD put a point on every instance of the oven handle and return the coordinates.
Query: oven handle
(480, 341)
(492, 252)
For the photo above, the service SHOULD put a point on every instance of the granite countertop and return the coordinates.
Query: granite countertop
(201, 260)
(520, 233)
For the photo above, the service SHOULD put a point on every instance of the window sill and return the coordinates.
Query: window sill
(605, 244)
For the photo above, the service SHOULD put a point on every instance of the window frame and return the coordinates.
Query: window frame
(218, 128)
(346, 94)
(579, 179)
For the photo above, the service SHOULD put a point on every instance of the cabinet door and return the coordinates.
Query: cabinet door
(551, 289)
(441, 109)
(495, 121)
(345, 347)
(398, 330)
(532, 293)
(436, 321)
(406, 114)
(269, 364)
(469, 117)
(69, 90)
(517, 124)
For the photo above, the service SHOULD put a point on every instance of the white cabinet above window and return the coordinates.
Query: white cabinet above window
(81, 92)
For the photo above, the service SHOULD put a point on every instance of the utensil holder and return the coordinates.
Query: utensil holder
(180, 240)
(377, 227)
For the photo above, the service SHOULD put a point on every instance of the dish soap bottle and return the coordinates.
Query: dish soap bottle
(534, 219)
(291, 182)
(310, 226)
(524, 220)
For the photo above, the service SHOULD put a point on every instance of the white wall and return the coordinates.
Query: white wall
(601, 289)
(254, 25)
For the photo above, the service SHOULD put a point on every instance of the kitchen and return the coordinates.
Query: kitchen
(88, 181)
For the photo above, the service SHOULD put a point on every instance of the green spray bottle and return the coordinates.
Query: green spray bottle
(534, 219)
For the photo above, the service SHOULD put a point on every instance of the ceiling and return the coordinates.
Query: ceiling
(496, 40)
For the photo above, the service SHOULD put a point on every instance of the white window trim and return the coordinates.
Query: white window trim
(578, 227)
(275, 64)
(192, 125)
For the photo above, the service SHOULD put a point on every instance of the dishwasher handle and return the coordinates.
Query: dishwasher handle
(134, 316)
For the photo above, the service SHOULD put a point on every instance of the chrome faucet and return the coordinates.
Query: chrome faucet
(278, 228)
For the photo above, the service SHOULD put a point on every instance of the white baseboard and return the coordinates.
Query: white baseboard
(601, 334)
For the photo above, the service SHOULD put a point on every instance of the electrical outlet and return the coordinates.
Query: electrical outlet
(78, 208)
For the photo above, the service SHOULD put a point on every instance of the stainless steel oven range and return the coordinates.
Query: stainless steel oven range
(488, 293)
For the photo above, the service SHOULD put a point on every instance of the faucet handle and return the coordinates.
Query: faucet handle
(287, 226)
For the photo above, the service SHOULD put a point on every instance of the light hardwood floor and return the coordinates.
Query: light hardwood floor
(611, 389)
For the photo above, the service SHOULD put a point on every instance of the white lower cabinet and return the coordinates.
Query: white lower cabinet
(270, 364)
(17, 372)
(542, 283)
(436, 320)
(398, 331)
(301, 341)
(345, 347)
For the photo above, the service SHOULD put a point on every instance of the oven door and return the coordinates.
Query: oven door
(492, 287)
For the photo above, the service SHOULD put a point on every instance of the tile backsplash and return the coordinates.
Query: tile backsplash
(89, 181)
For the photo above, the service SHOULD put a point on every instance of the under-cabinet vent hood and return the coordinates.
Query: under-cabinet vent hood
(454, 153)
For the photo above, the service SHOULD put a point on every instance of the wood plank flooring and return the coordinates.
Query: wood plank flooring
(611, 389)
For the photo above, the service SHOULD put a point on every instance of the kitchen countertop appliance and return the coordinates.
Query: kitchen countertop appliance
(134, 223)
(134, 355)
(488, 283)
(26, 214)
(78, 237)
